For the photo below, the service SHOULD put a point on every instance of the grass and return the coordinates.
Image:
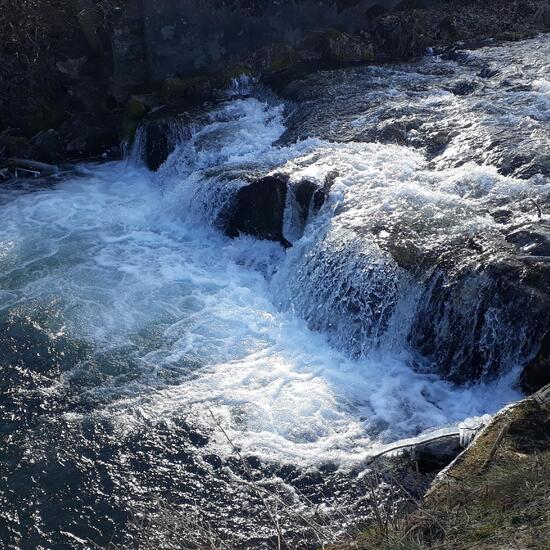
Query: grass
(495, 496)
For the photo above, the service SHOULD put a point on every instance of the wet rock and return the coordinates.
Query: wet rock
(137, 108)
(463, 88)
(169, 125)
(502, 215)
(259, 210)
(304, 192)
(311, 195)
(488, 72)
(345, 48)
(161, 137)
(484, 320)
(536, 374)
(534, 241)
(71, 67)
(47, 147)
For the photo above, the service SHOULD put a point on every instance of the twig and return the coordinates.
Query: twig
(495, 446)
(280, 538)
(537, 206)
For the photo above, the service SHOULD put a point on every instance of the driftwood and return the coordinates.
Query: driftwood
(31, 167)
(415, 445)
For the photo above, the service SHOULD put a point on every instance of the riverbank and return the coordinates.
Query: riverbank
(493, 496)
(70, 87)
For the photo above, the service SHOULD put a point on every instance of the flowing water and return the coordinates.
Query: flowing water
(149, 361)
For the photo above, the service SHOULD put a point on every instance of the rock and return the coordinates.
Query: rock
(199, 87)
(88, 16)
(396, 37)
(304, 192)
(532, 240)
(484, 320)
(47, 146)
(463, 88)
(345, 48)
(71, 67)
(375, 11)
(544, 15)
(311, 195)
(433, 456)
(128, 49)
(536, 374)
(87, 140)
(259, 210)
(161, 137)
(488, 72)
(167, 126)
(13, 145)
(137, 108)
(448, 28)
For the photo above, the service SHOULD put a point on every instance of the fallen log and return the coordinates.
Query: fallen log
(38, 169)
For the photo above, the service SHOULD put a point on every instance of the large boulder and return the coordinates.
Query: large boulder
(264, 207)
(259, 209)
(168, 126)
(483, 321)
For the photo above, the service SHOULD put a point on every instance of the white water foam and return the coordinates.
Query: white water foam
(129, 264)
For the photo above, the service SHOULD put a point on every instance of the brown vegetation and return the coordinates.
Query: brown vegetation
(496, 495)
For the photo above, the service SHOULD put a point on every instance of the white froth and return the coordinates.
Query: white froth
(130, 266)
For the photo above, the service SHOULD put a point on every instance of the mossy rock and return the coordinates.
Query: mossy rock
(137, 107)
(347, 48)
(279, 64)
(236, 71)
(175, 87)
(44, 117)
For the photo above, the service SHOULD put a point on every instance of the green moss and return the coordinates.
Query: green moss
(279, 63)
(235, 71)
(136, 109)
(334, 34)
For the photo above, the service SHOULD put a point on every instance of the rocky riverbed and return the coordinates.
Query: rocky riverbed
(312, 272)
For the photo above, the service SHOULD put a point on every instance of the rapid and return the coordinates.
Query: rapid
(149, 361)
